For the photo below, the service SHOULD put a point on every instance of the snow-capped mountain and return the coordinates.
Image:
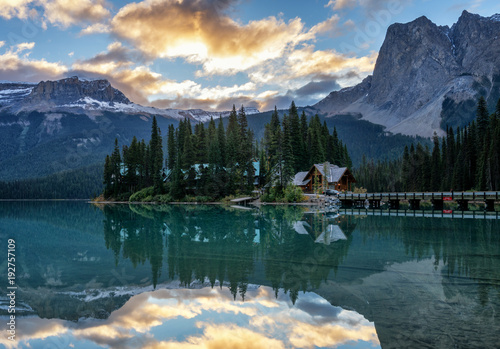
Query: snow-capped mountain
(83, 95)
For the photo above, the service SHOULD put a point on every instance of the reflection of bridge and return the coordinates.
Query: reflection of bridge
(436, 198)
(420, 213)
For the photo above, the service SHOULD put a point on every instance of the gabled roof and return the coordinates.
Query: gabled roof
(334, 173)
(299, 178)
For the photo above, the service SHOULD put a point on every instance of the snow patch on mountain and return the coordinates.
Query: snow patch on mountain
(91, 104)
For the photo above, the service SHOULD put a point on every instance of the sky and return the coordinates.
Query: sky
(189, 54)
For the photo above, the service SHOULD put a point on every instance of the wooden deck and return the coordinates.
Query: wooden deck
(242, 201)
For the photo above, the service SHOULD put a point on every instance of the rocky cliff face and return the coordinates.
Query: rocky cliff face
(427, 76)
(73, 89)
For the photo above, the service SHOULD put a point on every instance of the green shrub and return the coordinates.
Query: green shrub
(142, 194)
(293, 193)
(163, 198)
(148, 198)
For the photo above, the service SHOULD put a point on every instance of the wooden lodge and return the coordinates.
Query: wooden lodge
(339, 178)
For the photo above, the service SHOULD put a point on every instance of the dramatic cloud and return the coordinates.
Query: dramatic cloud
(16, 67)
(272, 323)
(276, 59)
(201, 33)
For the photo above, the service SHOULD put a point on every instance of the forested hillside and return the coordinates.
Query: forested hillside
(83, 183)
(467, 158)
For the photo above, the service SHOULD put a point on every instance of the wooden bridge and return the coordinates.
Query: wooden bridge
(374, 200)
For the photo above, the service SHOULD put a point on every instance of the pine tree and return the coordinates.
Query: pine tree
(156, 157)
(232, 139)
(295, 137)
(116, 163)
(171, 147)
(286, 160)
(435, 165)
(482, 121)
(108, 176)
(304, 158)
(221, 138)
(244, 158)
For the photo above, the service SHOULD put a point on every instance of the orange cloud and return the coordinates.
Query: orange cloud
(310, 336)
(201, 33)
(307, 62)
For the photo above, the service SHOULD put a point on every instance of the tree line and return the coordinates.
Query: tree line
(216, 161)
(467, 158)
(83, 183)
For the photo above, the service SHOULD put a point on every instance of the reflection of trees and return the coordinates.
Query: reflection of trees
(292, 261)
(211, 243)
(137, 236)
(467, 247)
(218, 243)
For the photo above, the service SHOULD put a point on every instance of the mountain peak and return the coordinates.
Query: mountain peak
(72, 89)
(425, 74)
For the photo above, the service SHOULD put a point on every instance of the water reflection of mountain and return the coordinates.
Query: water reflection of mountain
(431, 281)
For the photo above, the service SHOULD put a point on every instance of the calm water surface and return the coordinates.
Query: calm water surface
(218, 277)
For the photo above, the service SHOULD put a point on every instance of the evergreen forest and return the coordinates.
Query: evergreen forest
(467, 158)
(217, 161)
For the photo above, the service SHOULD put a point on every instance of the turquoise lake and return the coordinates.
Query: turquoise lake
(193, 276)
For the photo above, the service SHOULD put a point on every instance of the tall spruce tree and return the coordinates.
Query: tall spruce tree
(435, 180)
(156, 157)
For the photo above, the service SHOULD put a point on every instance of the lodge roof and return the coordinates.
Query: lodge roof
(299, 178)
(334, 173)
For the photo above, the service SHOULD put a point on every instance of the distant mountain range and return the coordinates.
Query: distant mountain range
(83, 96)
(426, 77)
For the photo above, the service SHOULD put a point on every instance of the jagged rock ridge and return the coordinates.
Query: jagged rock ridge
(73, 89)
(427, 76)
(85, 96)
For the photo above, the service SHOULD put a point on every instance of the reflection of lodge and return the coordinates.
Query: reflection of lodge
(330, 234)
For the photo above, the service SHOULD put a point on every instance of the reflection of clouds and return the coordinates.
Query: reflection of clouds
(222, 336)
(214, 320)
(309, 336)
(35, 328)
